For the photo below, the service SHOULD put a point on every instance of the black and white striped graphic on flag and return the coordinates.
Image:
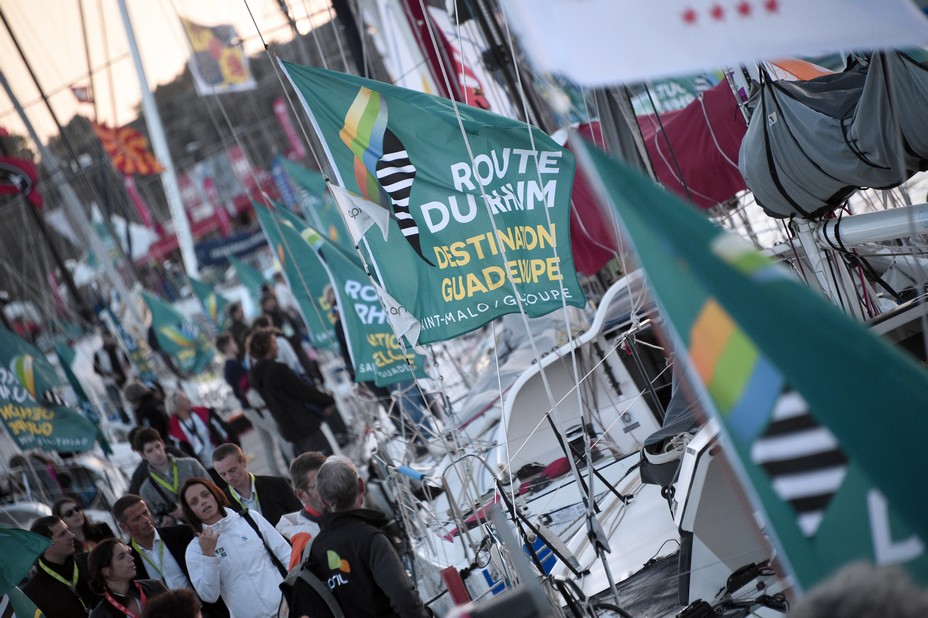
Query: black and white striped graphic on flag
(396, 173)
(803, 459)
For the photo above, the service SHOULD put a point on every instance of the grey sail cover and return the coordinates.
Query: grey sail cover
(811, 144)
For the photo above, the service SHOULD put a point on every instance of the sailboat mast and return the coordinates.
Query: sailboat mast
(160, 146)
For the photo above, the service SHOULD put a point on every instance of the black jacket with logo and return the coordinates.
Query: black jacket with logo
(353, 555)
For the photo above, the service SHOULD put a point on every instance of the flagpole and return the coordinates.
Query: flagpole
(160, 146)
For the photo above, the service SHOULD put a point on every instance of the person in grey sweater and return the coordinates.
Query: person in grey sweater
(166, 474)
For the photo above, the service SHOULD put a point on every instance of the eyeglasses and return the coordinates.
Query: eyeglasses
(71, 512)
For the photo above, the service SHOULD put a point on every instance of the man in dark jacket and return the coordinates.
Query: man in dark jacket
(271, 496)
(148, 544)
(61, 584)
(298, 407)
(353, 555)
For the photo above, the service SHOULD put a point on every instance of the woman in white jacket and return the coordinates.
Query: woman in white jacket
(228, 558)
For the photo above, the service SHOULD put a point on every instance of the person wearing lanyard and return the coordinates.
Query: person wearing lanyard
(271, 496)
(165, 475)
(112, 570)
(159, 552)
(60, 586)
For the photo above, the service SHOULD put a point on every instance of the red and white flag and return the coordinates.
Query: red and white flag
(601, 42)
(82, 94)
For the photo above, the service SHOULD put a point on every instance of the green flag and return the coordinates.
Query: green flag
(304, 273)
(179, 337)
(404, 158)
(249, 277)
(214, 305)
(130, 345)
(375, 352)
(318, 207)
(781, 366)
(66, 357)
(29, 401)
(19, 549)
(21, 606)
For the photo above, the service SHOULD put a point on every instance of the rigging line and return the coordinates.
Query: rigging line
(499, 385)
(673, 166)
(93, 98)
(705, 115)
(588, 501)
(400, 340)
(314, 29)
(489, 92)
(117, 278)
(237, 139)
(431, 57)
(334, 20)
(108, 63)
(188, 43)
(255, 22)
(663, 131)
(524, 101)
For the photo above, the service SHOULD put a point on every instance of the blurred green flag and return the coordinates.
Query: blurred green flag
(316, 202)
(214, 305)
(303, 271)
(66, 357)
(826, 418)
(375, 352)
(19, 549)
(31, 407)
(182, 339)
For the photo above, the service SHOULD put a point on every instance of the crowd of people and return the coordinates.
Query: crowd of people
(198, 533)
(244, 546)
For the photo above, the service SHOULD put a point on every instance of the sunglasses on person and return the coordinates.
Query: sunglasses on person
(71, 512)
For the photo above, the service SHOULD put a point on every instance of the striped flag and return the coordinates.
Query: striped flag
(482, 201)
(381, 160)
(825, 419)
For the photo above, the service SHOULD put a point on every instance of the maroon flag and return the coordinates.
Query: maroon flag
(20, 176)
(694, 151)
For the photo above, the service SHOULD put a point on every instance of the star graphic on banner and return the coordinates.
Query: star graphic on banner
(744, 9)
(689, 16)
(717, 12)
(772, 6)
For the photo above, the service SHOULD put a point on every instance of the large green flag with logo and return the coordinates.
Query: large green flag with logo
(375, 352)
(66, 358)
(182, 339)
(318, 206)
(304, 273)
(30, 401)
(455, 233)
(827, 419)
(214, 305)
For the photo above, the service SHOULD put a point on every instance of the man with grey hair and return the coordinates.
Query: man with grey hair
(353, 555)
(861, 589)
